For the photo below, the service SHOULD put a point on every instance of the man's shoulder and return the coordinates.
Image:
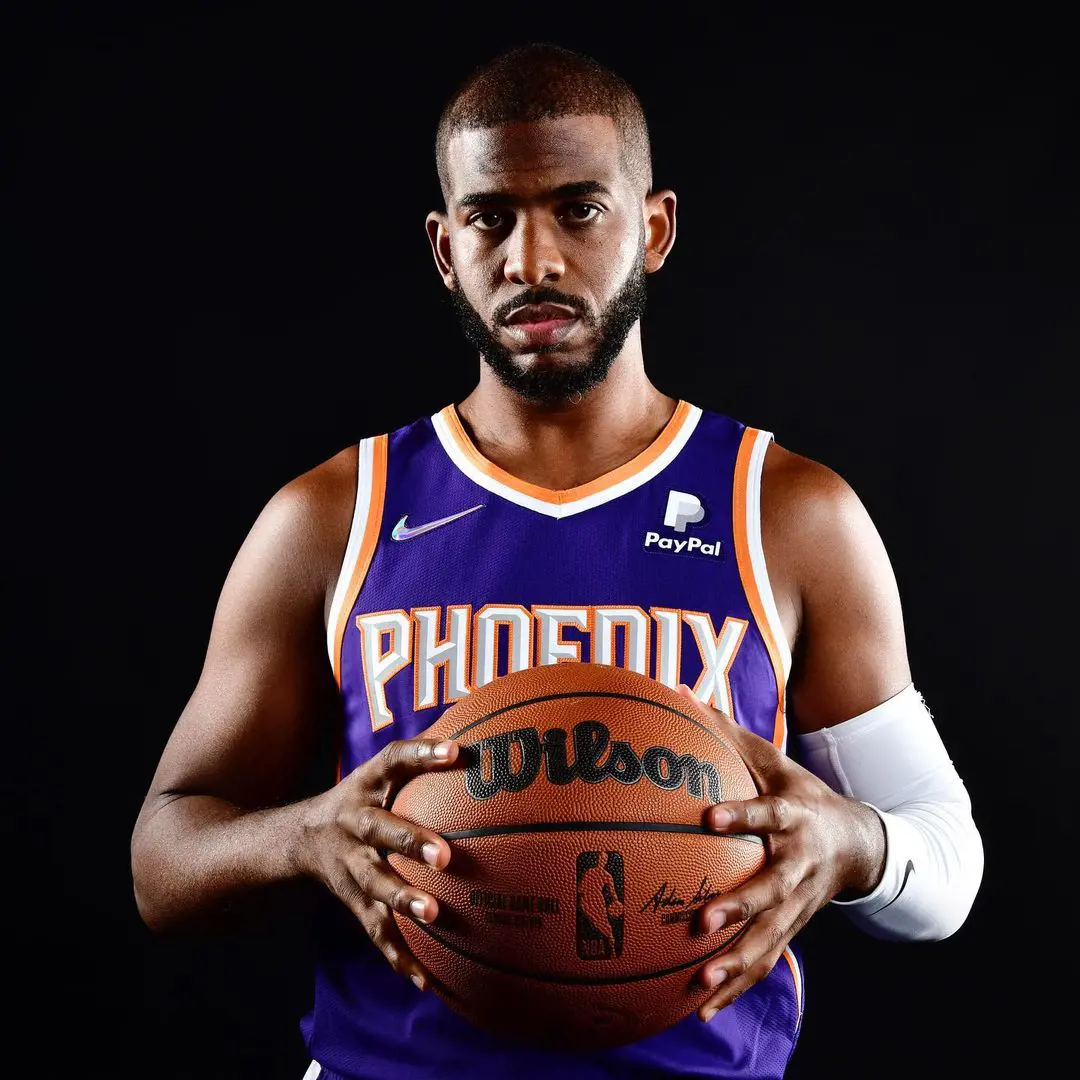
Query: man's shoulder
(808, 510)
(791, 478)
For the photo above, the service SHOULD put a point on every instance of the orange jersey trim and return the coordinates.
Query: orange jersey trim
(367, 545)
(796, 977)
(594, 487)
(746, 572)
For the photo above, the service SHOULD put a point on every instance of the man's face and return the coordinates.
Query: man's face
(546, 241)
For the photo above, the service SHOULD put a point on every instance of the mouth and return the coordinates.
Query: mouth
(542, 324)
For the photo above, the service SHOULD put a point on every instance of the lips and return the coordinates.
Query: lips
(539, 314)
(542, 324)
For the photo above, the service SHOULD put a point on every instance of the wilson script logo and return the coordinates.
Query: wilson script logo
(513, 760)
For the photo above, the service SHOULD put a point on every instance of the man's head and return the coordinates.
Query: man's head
(550, 222)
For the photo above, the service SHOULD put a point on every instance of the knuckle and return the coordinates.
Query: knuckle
(393, 752)
(403, 839)
(744, 908)
(787, 882)
(362, 874)
(364, 821)
(779, 812)
(736, 964)
(398, 899)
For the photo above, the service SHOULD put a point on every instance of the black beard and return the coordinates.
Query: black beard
(550, 386)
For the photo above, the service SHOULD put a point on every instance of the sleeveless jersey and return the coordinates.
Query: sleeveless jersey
(456, 573)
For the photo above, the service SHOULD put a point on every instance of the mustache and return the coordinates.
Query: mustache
(543, 295)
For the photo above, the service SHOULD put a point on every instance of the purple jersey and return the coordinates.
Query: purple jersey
(456, 573)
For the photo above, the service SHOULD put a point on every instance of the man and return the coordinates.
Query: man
(494, 535)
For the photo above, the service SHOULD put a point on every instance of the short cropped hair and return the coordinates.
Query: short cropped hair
(541, 81)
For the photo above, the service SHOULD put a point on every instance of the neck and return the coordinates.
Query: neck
(568, 444)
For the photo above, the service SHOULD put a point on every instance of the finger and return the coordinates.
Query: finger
(403, 759)
(387, 939)
(723, 997)
(752, 958)
(377, 881)
(761, 816)
(767, 889)
(387, 832)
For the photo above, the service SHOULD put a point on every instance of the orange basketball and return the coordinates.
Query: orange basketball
(579, 856)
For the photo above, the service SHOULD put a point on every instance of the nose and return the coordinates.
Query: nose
(532, 256)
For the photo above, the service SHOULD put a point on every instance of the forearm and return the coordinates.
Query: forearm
(195, 857)
(931, 876)
(892, 758)
(867, 849)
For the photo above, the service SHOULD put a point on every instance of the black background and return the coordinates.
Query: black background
(220, 278)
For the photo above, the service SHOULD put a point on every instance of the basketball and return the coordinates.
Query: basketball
(567, 913)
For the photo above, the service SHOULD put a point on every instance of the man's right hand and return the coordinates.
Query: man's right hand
(348, 833)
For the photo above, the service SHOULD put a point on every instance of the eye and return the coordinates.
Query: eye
(487, 220)
(582, 213)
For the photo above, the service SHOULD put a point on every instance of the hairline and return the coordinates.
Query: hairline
(638, 174)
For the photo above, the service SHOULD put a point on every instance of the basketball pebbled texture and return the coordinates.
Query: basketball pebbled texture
(567, 913)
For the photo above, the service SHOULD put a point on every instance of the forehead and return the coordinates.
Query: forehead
(535, 155)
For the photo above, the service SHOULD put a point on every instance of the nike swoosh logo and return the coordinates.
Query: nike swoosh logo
(402, 532)
(908, 871)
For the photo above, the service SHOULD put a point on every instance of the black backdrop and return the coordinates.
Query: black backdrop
(220, 278)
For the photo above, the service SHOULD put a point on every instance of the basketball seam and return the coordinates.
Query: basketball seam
(575, 980)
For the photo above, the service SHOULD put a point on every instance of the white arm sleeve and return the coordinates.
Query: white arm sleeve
(892, 758)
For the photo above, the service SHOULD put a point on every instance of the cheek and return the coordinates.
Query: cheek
(609, 261)
(474, 261)
(618, 247)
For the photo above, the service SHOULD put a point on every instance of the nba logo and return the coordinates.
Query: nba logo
(599, 905)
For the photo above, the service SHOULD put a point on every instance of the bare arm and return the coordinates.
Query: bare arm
(217, 826)
(836, 591)
(216, 822)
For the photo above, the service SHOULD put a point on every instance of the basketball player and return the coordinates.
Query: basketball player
(598, 898)
(567, 509)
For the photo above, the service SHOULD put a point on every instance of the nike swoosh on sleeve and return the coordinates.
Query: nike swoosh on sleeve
(908, 871)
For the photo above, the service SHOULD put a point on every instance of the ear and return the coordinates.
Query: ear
(659, 214)
(439, 235)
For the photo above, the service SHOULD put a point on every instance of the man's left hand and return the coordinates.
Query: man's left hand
(818, 843)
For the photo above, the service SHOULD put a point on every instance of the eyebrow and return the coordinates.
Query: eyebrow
(563, 191)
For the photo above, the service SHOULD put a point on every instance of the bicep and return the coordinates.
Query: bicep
(265, 693)
(850, 652)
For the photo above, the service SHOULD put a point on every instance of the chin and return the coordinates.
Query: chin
(550, 357)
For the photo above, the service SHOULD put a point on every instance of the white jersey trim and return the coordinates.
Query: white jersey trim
(314, 1071)
(558, 509)
(364, 474)
(757, 550)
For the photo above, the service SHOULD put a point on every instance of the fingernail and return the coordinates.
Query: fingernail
(709, 1014)
(715, 921)
(419, 983)
(717, 977)
(430, 852)
(441, 751)
(418, 907)
(721, 819)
